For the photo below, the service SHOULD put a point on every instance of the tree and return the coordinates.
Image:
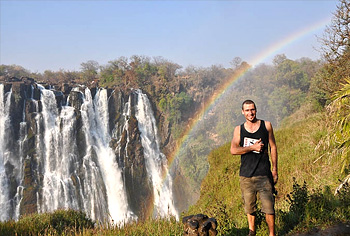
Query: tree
(166, 69)
(60, 76)
(336, 52)
(336, 39)
(14, 71)
(290, 74)
(340, 112)
(89, 70)
(114, 71)
(236, 62)
(278, 59)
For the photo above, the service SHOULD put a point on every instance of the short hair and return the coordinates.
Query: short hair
(248, 102)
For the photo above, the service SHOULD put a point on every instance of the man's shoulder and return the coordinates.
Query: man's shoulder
(268, 124)
(266, 121)
(237, 130)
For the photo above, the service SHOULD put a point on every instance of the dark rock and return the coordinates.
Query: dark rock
(36, 93)
(66, 89)
(28, 81)
(14, 79)
(29, 200)
(138, 185)
(7, 87)
(76, 99)
(59, 98)
(199, 225)
(115, 107)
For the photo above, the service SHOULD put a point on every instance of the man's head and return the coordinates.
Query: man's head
(248, 102)
(249, 110)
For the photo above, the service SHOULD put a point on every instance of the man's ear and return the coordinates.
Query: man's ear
(242, 112)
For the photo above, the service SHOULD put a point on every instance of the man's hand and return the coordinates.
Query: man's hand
(275, 176)
(258, 146)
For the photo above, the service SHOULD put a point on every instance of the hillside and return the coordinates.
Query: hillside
(305, 170)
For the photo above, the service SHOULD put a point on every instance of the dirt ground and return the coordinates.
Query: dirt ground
(342, 229)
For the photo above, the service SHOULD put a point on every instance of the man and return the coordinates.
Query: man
(252, 141)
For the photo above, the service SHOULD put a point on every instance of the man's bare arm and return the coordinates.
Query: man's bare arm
(236, 149)
(273, 150)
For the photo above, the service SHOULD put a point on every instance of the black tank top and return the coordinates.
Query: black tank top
(253, 163)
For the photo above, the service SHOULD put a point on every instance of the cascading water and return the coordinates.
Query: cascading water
(64, 155)
(11, 172)
(156, 161)
(5, 203)
(100, 190)
(95, 120)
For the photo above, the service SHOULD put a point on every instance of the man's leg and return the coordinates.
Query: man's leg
(249, 198)
(270, 220)
(267, 203)
(251, 222)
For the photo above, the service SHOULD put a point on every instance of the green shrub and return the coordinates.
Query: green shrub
(63, 220)
(56, 223)
(316, 209)
(297, 201)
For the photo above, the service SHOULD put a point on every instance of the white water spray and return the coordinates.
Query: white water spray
(95, 119)
(96, 186)
(5, 101)
(156, 162)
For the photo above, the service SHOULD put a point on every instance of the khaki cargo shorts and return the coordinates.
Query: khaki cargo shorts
(260, 185)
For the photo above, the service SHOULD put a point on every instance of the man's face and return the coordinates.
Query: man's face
(249, 112)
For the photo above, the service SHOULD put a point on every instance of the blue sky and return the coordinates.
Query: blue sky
(52, 35)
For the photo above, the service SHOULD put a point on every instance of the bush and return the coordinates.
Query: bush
(65, 220)
(316, 209)
(58, 222)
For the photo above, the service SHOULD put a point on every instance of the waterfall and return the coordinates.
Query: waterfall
(156, 161)
(95, 119)
(72, 159)
(5, 204)
(57, 154)
(97, 187)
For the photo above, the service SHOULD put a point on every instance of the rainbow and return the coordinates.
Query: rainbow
(274, 48)
(220, 92)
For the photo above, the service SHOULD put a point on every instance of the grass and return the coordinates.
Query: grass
(69, 222)
(59, 222)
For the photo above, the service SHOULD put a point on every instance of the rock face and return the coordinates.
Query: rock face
(54, 147)
(199, 225)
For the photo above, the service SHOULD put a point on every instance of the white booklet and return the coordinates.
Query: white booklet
(249, 141)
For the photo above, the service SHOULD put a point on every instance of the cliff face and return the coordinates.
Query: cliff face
(64, 154)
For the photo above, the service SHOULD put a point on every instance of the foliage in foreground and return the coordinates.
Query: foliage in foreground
(70, 222)
(315, 208)
(56, 223)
